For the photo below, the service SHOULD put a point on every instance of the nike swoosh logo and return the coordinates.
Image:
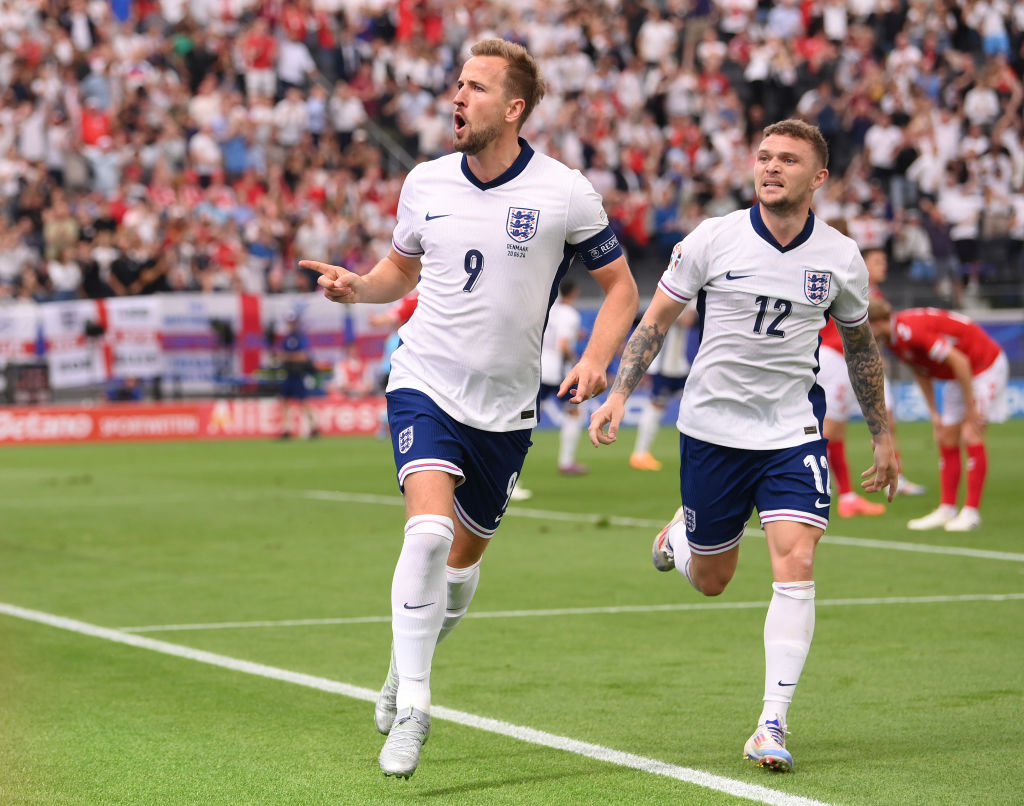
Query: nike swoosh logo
(432, 217)
(786, 684)
(417, 607)
(819, 505)
(730, 276)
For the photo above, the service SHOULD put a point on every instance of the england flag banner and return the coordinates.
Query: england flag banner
(75, 351)
(133, 333)
(19, 332)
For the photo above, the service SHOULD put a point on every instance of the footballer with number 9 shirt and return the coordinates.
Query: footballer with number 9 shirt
(485, 236)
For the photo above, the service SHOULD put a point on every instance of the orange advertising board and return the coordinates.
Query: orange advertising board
(204, 419)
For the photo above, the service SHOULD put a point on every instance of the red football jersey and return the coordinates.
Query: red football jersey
(924, 337)
(830, 333)
(405, 307)
(830, 336)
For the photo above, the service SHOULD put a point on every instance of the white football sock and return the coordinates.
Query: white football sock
(647, 428)
(569, 438)
(681, 551)
(462, 584)
(418, 602)
(788, 629)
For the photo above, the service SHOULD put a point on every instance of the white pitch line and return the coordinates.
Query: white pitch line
(648, 523)
(700, 778)
(866, 542)
(580, 611)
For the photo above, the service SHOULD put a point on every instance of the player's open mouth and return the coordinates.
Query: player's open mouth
(460, 122)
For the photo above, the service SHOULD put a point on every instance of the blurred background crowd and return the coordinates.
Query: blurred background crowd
(185, 145)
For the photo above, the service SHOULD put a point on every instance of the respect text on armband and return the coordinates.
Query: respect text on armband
(603, 249)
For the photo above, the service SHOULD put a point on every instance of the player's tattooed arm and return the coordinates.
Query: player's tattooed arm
(867, 374)
(637, 356)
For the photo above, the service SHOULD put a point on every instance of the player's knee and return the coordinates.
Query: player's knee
(948, 436)
(709, 579)
(711, 587)
(797, 563)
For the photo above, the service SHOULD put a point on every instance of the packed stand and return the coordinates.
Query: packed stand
(187, 145)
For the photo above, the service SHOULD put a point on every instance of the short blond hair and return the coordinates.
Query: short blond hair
(801, 130)
(522, 78)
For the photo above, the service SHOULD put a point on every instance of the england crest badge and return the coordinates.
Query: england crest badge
(691, 520)
(817, 284)
(405, 440)
(522, 223)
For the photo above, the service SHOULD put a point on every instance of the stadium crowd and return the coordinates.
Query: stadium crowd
(163, 145)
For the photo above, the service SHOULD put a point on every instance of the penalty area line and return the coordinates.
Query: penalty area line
(597, 752)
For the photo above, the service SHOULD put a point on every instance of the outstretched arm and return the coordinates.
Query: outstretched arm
(617, 312)
(640, 350)
(867, 376)
(392, 278)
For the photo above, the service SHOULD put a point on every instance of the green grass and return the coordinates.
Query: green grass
(900, 703)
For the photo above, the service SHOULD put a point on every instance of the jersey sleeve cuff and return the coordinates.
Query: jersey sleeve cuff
(860, 320)
(673, 294)
(406, 252)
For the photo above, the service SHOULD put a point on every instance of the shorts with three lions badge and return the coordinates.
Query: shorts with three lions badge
(487, 463)
(720, 488)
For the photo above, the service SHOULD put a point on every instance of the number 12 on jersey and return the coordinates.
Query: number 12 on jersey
(774, 329)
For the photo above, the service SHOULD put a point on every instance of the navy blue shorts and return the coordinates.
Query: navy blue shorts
(293, 387)
(549, 390)
(663, 387)
(486, 463)
(720, 487)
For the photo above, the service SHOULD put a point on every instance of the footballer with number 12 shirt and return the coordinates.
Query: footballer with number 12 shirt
(765, 280)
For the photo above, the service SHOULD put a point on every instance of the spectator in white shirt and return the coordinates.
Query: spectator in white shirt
(988, 18)
(291, 117)
(657, 38)
(881, 143)
(785, 20)
(295, 65)
(981, 105)
(65, 275)
(205, 154)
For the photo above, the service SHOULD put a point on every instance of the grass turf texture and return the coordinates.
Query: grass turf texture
(914, 703)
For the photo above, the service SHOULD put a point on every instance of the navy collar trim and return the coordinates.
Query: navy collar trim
(516, 168)
(761, 229)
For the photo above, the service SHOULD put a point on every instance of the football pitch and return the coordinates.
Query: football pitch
(208, 623)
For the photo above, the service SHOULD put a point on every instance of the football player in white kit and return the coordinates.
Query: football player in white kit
(765, 279)
(558, 353)
(486, 236)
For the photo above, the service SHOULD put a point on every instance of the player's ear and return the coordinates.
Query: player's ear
(514, 109)
(819, 178)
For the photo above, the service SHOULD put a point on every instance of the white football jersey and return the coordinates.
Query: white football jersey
(563, 323)
(761, 305)
(492, 256)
